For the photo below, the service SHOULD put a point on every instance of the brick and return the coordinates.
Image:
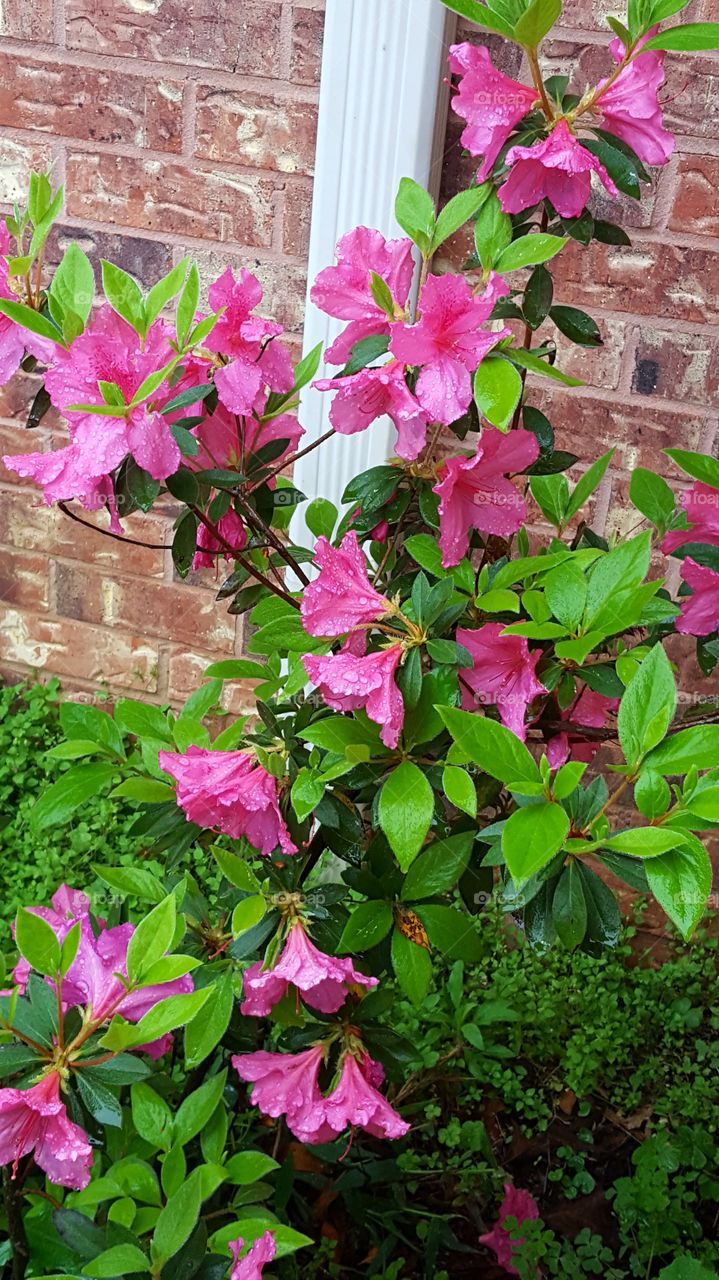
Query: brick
(677, 366)
(588, 425)
(306, 53)
(591, 14)
(67, 648)
(146, 260)
(96, 106)
(28, 525)
(695, 209)
(186, 614)
(596, 366)
(264, 131)
(170, 197)
(27, 20)
(297, 219)
(667, 280)
(24, 579)
(243, 37)
(17, 160)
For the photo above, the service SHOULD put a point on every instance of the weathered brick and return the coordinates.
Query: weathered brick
(24, 579)
(306, 55)
(677, 366)
(146, 260)
(97, 106)
(188, 615)
(27, 524)
(588, 426)
(695, 209)
(297, 219)
(242, 37)
(67, 648)
(651, 278)
(170, 197)
(596, 366)
(17, 160)
(27, 20)
(186, 671)
(264, 131)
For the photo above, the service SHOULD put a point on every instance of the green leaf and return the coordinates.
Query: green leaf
(565, 589)
(132, 880)
(538, 295)
(685, 1268)
(644, 842)
(339, 734)
(620, 167)
(535, 364)
(151, 1115)
(204, 1033)
(569, 908)
(576, 325)
(493, 228)
(536, 21)
(651, 794)
(184, 543)
(37, 942)
(29, 319)
(623, 568)
(163, 292)
(438, 867)
(195, 1110)
(247, 1167)
(100, 1102)
(308, 789)
(452, 932)
(248, 913)
(151, 939)
(693, 36)
(64, 797)
(382, 294)
(531, 837)
(698, 465)
(120, 1260)
(652, 496)
(494, 748)
(73, 284)
(412, 965)
(480, 14)
(321, 517)
(698, 746)
(681, 882)
(166, 1016)
(176, 1221)
(551, 493)
(236, 870)
(460, 790)
(124, 295)
(603, 920)
(414, 211)
(187, 306)
(529, 250)
(406, 806)
(457, 211)
(369, 923)
(497, 389)
(647, 707)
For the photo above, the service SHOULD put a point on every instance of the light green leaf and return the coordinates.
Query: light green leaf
(414, 211)
(497, 389)
(529, 250)
(460, 789)
(681, 882)
(457, 211)
(647, 707)
(693, 36)
(698, 746)
(120, 1260)
(406, 806)
(412, 965)
(494, 748)
(152, 938)
(645, 842)
(531, 837)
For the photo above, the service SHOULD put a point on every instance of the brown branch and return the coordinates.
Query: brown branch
(242, 560)
(108, 533)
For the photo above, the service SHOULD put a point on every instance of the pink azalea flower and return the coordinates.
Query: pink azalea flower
(285, 1084)
(229, 791)
(232, 530)
(558, 169)
(322, 980)
(341, 596)
(701, 503)
(356, 1103)
(364, 397)
(502, 673)
(109, 350)
(630, 106)
(700, 613)
(68, 906)
(94, 979)
(226, 445)
(257, 1256)
(257, 360)
(449, 342)
(347, 682)
(490, 102)
(475, 493)
(344, 291)
(591, 709)
(521, 1206)
(35, 1120)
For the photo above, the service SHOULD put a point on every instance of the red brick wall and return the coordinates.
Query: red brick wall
(177, 128)
(655, 382)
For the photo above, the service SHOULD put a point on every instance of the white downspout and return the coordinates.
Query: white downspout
(382, 116)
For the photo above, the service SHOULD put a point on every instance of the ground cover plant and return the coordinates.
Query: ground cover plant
(429, 699)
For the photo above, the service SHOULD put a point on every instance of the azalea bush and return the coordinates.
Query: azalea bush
(433, 681)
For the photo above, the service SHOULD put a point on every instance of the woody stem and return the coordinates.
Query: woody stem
(532, 59)
(241, 560)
